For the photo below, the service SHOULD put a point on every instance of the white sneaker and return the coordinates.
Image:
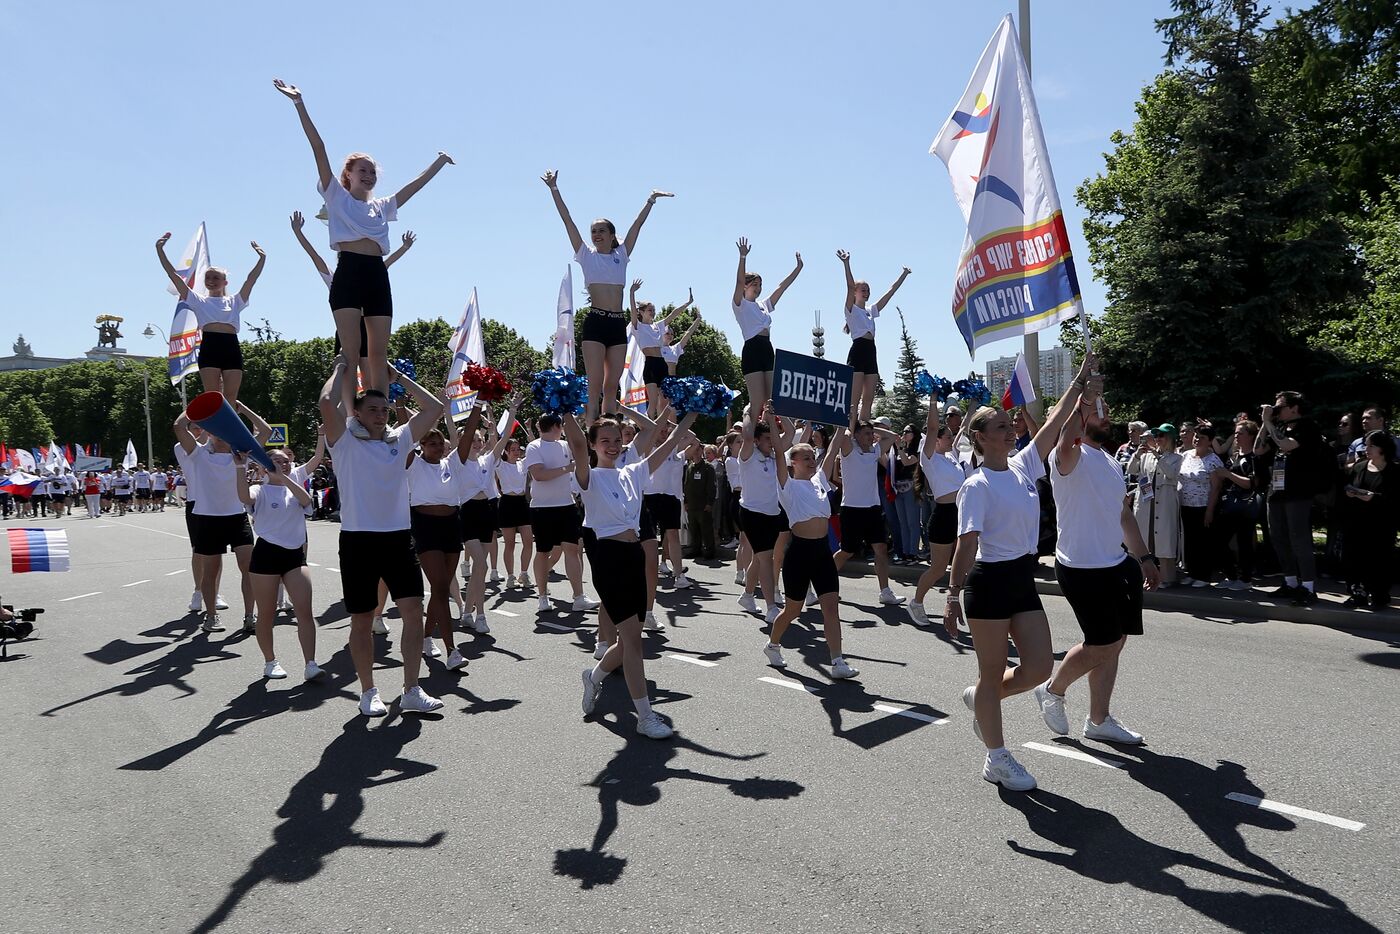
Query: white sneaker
(211, 622)
(664, 569)
(219, 602)
(380, 627)
(888, 598)
(917, 615)
(371, 705)
(510, 582)
(652, 623)
(812, 598)
(312, 672)
(273, 670)
(479, 625)
(748, 603)
(495, 577)
(583, 603)
(682, 582)
(352, 425)
(250, 623)
(430, 649)
(740, 576)
(590, 692)
(1052, 709)
(456, 660)
(545, 605)
(196, 602)
(600, 649)
(842, 669)
(771, 615)
(774, 654)
(416, 700)
(1005, 771)
(524, 581)
(653, 727)
(1111, 731)
(285, 606)
(969, 695)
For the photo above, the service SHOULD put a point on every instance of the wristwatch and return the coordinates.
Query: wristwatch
(1150, 557)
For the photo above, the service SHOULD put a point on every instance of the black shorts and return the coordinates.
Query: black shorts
(1001, 589)
(478, 521)
(757, 355)
(762, 529)
(220, 350)
(654, 370)
(435, 533)
(362, 282)
(620, 577)
(214, 534)
(809, 561)
(861, 357)
(1106, 601)
(366, 558)
(861, 526)
(142, 494)
(274, 559)
(554, 526)
(189, 519)
(43, 497)
(646, 526)
(513, 511)
(665, 511)
(364, 340)
(943, 524)
(604, 327)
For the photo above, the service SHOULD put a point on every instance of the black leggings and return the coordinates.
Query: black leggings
(1368, 556)
(1198, 543)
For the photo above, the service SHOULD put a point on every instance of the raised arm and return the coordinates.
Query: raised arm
(829, 456)
(412, 188)
(511, 404)
(678, 309)
(332, 416)
(313, 136)
(277, 478)
(1049, 434)
(783, 286)
(646, 429)
(885, 299)
(689, 332)
(664, 450)
(320, 455)
(932, 424)
(743, 272)
(430, 407)
(468, 434)
(253, 274)
(781, 444)
(261, 429)
(578, 450)
(1067, 446)
(320, 264)
(632, 302)
(845, 257)
(182, 433)
(886, 439)
(409, 238)
(630, 241)
(180, 284)
(240, 479)
(551, 178)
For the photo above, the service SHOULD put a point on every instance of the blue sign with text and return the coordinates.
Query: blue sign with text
(806, 387)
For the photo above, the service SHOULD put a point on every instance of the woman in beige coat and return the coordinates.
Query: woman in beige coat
(1155, 504)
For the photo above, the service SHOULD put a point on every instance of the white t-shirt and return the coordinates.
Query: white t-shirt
(159, 481)
(670, 476)
(731, 472)
(806, 499)
(861, 321)
(1193, 481)
(277, 516)
(183, 460)
(754, 317)
(121, 483)
(216, 477)
(216, 310)
(351, 219)
(612, 503)
(648, 335)
(1004, 507)
(475, 477)
(1088, 510)
(373, 483)
(671, 353)
(432, 484)
(860, 478)
(510, 478)
(944, 474)
(602, 268)
(549, 454)
(759, 478)
(143, 479)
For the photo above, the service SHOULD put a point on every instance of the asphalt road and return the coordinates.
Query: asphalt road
(155, 782)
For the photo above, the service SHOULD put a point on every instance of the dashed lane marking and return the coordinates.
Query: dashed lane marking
(134, 583)
(1069, 753)
(133, 525)
(912, 714)
(1265, 804)
(173, 573)
(507, 613)
(80, 596)
(785, 683)
(554, 626)
(694, 661)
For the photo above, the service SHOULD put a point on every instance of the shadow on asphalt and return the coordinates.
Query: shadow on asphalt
(320, 813)
(1103, 850)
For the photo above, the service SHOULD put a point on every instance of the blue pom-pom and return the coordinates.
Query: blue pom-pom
(397, 390)
(559, 391)
(973, 390)
(926, 384)
(697, 394)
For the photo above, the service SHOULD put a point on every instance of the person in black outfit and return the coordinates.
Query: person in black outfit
(1299, 473)
(1370, 510)
(1237, 514)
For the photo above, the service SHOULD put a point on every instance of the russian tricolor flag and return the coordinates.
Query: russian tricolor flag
(1019, 389)
(37, 550)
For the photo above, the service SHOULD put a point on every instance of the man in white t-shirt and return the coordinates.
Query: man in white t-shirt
(375, 540)
(142, 480)
(1102, 565)
(862, 501)
(554, 517)
(160, 486)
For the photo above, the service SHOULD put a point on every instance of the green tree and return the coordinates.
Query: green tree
(902, 405)
(29, 427)
(1371, 333)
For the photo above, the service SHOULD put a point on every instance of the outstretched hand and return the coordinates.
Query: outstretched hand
(744, 246)
(445, 157)
(799, 259)
(636, 284)
(257, 249)
(906, 271)
(162, 239)
(658, 193)
(290, 90)
(297, 220)
(409, 238)
(843, 255)
(551, 178)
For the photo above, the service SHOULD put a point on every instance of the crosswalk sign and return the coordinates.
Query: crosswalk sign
(278, 437)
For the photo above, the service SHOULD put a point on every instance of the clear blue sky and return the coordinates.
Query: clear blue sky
(803, 126)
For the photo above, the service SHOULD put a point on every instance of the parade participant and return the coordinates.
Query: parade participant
(196, 562)
(141, 479)
(995, 559)
(433, 497)
(650, 333)
(743, 554)
(755, 319)
(1102, 581)
(475, 466)
(375, 538)
(860, 324)
(700, 490)
(760, 513)
(665, 494)
(803, 487)
(160, 488)
(514, 512)
(105, 478)
(604, 264)
(121, 492)
(862, 512)
(671, 351)
(278, 505)
(92, 492)
(553, 516)
(359, 233)
(218, 314)
(612, 507)
(946, 476)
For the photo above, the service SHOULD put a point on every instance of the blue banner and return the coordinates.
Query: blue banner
(813, 389)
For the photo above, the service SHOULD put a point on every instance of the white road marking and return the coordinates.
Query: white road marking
(1266, 805)
(506, 613)
(134, 583)
(554, 626)
(312, 564)
(336, 570)
(1070, 753)
(133, 525)
(912, 714)
(785, 683)
(80, 596)
(694, 661)
(173, 573)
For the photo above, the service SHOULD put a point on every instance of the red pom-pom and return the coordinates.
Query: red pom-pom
(489, 383)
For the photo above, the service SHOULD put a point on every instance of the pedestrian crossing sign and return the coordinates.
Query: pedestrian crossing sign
(278, 438)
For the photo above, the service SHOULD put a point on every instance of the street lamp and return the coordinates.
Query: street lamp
(150, 332)
(146, 387)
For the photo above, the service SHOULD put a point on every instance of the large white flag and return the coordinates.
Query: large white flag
(634, 387)
(56, 458)
(24, 460)
(193, 261)
(1015, 275)
(564, 322)
(129, 459)
(182, 356)
(466, 347)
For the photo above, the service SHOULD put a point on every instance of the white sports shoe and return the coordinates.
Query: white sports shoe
(842, 669)
(771, 615)
(196, 602)
(600, 649)
(211, 622)
(479, 625)
(250, 623)
(682, 582)
(917, 615)
(456, 660)
(380, 627)
(812, 598)
(1005, 771)
(430, 649)
(664, 569)
(495, 577)
(583, 603)
(1052, 709)
(274, 670)
(969, 695)
(545, 605)
(525, 582)
(371, 705)
(219, 602)
(1111, 731)
(510, 582)
(416, 700)
(312, 672)
(780, 599)
(653, 727)
(652, 623)
(590, 692)
(774, 654)
(748, 603)
(285, 606)
(740, 576)
(888, 598)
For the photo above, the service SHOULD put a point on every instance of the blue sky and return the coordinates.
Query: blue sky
(803, 126)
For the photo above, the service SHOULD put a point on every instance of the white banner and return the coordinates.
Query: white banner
(466, 346)
(129, 459)
(634, 388)
(564, 322)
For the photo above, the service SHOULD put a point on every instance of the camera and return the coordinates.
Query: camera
(20, 624)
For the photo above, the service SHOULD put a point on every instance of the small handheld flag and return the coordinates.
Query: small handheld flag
(1019, 388)
(37, 550)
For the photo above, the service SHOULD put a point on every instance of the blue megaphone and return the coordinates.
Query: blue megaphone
(211, 411)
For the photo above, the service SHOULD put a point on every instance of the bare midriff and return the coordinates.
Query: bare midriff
(626, 535)
(604, 296)
(436, 509)
(220, 327)
(367, 247)
(814, 527)
(947, 498)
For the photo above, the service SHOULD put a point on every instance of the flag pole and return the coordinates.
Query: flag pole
(1031, 341)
